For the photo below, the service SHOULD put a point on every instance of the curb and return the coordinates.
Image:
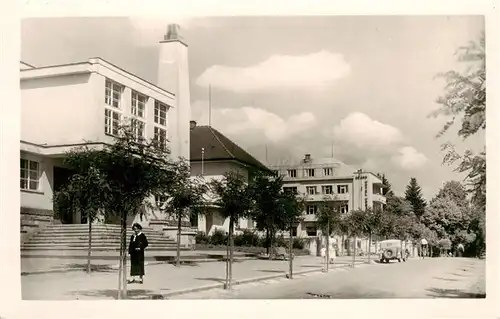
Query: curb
(239, 282)
(116, 267)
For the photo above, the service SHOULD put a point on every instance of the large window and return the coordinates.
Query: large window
(138, 104)
(292, 173)
(138, 129)
(311, 231)
(113, 94)
(30, 175)
(311, 209)
(309, 172)
(160, 136)
(328, 171)
(342, 189)
(111, 122)
(161, 113)
(328, 190)
(311, 190)
(344, 209)
(290, 189)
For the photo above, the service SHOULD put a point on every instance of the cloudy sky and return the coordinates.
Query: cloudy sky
(362, 86)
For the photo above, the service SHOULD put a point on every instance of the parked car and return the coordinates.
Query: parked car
(391, 250)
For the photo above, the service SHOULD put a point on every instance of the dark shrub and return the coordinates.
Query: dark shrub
(299, 243)
(280, 241)
(248, 239)
(202, 238)
(219, 237)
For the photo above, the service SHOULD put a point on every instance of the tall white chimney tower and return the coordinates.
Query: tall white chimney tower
(173, 75)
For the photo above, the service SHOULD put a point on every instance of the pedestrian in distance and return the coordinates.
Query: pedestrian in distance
(332, 254)
(138, 243)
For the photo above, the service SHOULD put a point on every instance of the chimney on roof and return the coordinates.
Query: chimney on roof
(192, 125)
(172, 32)
(307, 158)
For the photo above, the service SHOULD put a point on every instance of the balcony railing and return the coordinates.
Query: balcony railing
(322, 197)
(379, 198)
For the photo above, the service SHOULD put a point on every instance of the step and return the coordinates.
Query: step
(111, 242)
(83, 247)
(96, 234)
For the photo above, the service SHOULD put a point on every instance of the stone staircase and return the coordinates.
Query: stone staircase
(105, 237)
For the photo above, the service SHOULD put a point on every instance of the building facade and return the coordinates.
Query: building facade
(70, 105)
(212, 156)
(329, 179)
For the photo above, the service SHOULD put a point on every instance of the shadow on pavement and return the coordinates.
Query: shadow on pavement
(445, 279)
(274, 271)
(311, 266)
(113, 293)
(453, 293)
(93, 268)
(221, 280)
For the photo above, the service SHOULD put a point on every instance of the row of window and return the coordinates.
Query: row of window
(310, 172)
(313, 209)
(326, 189)
(113, 113)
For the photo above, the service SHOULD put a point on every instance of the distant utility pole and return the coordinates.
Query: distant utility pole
(202, 161)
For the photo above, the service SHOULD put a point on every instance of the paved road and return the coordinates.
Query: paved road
(429, 278)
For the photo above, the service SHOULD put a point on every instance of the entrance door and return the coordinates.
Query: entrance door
(61, 177)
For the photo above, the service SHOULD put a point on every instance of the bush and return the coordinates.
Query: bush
(202, 238)
(280, 241)
(299, 243)
(248, 239)
(218, 238)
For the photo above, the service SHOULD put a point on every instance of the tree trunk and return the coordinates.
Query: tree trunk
(354, 251)
(290, 255)
(89, 252)
(267, 242)
(229, 272)
(271, 250)
(227, 261)
(120, 271)
(124, 253)
(179, 228)
(343, 244)
(369, 247)
(327, 247)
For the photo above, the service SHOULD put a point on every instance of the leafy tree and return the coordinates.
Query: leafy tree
(133, 170)
(184, 198)
(329, 220)
(398, 206)
(85, 192)
(233, 198)
(413, 194)
(292, 207)
(266, 192)
(354, 223)
(465, 100)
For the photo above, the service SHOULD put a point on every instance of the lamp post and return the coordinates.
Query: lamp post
(202, 161)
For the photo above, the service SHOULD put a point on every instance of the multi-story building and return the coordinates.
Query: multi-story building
(69, 105)
(329, 179)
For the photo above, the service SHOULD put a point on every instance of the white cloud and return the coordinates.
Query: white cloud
(315, 70)
(252, 121)
(409, 158)
(360, 130)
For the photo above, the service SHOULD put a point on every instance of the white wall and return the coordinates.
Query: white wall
(58, 110)
(173, 75)
(41, 199)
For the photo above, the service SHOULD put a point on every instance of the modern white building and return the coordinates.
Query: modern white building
(318, 179)
(69, 105)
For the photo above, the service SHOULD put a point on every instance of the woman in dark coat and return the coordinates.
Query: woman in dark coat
(138, 243)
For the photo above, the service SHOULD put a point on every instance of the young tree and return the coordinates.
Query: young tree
(85, 192)
(354, 224)
(414, 195)
(233, 198)
(329, 220)
(184, 198)
(292, 207)
(266, 191)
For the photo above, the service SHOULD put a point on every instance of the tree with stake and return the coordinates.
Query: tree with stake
(329, 220)
(354, 223)
(233, 198)
(292, 207)
(184, 198)
(266, 191)
(85, 192)
(133, 170)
